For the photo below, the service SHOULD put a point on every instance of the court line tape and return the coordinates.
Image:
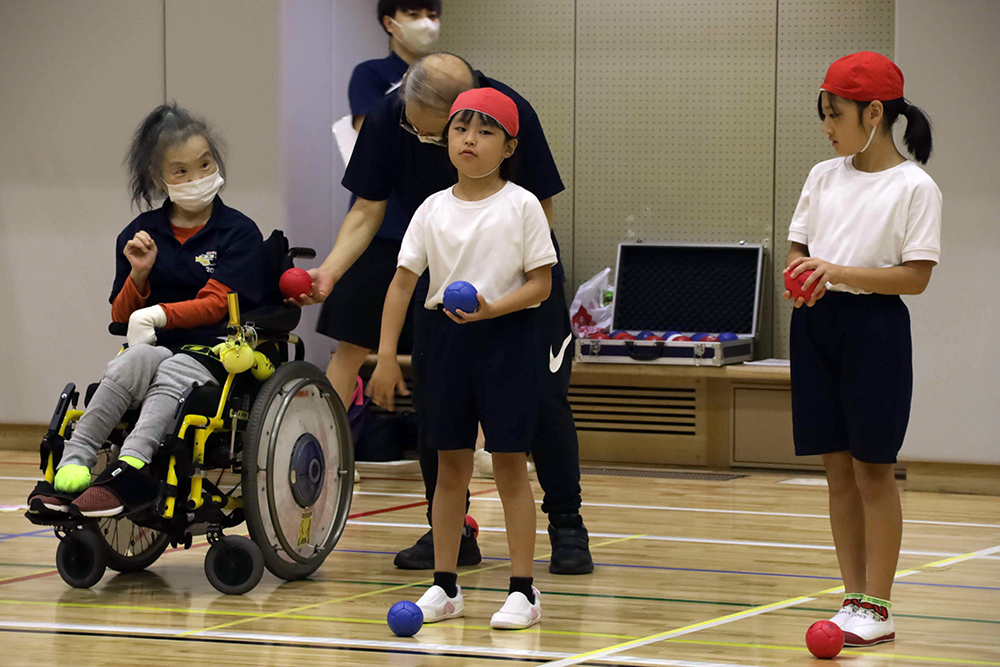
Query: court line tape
(688, 540)
(379, 591)
(706, 510)
(297, 641)
(695, 627)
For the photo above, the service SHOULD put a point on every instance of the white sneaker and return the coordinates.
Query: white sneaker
(357, 476)
(437, 606)
(517, 613)
(482, 460)
(846, 613)
(871, 624)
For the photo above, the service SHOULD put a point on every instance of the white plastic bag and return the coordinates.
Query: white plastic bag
(588, 314)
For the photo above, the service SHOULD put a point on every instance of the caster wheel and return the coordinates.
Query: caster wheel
(80, 558)
(234, 565)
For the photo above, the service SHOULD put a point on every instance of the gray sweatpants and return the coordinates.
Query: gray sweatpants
(144, 375)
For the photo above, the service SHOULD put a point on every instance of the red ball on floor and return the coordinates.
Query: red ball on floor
(824, 639)
(471, 523)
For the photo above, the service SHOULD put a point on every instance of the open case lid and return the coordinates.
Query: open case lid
(709, 288)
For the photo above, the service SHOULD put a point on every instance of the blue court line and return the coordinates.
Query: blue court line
(34, 533)
(692, 569)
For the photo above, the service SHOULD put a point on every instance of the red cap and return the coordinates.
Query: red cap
(864, 77)
(491, 102)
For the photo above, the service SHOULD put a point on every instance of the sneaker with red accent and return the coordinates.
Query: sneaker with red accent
(437, 606)
(871, 624)
(119, 488)
(517, 612)
(847, 611)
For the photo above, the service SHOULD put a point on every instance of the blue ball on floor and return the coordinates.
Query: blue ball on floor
(461, 295)
(405, 618)
(728, 336)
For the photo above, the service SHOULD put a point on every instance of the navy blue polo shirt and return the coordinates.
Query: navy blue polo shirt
(389, 162)
(371, 80)
(227, 248)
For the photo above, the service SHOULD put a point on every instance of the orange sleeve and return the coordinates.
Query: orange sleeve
(208, 307)
(128, 301)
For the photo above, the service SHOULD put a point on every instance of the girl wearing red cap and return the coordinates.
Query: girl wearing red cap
(481, 367)
(868, 224)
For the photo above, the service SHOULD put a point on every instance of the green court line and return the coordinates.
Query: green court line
(644, 598)
(34, 565)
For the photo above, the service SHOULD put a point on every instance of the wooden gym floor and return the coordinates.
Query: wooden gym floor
(689, 573)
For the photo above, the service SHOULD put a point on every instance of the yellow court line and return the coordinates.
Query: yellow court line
(867, 654)
(763, 609)
(117, 607)
(379, 591)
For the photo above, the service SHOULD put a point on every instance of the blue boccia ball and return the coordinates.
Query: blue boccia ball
(643, 335)
(461, 295)
(668, 334)
(728, 335)
(405, 618)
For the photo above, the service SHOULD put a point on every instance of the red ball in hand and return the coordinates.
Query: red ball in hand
(794, 285)
(824, 639)
(294, 283)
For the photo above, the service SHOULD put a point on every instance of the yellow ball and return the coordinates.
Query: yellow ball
(262, 367)
(237, 358)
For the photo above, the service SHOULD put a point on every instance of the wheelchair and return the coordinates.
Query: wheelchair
(276, 454)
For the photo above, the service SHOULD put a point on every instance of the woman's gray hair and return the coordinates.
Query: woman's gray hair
(166, 126)
(435, 81)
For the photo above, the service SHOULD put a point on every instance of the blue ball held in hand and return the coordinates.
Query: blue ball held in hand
(461, 295)
(405, 618)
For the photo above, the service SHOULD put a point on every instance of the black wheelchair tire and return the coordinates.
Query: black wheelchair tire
(137, 562)
(80, 558)
(234, 565)
(255, 505)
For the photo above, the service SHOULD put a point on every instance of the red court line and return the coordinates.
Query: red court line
(49, 573)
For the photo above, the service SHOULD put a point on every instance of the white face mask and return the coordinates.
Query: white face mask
(419, 36)
(196, 195)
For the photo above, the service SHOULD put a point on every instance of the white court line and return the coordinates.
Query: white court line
(668, 508)
(667, 538)
(416, 645)
(982, 553)
(21, 479)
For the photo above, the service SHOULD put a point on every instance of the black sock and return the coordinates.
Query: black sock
(522, 585)
(448, 581)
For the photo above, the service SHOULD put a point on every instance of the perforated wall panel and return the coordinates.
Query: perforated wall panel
(811, 35)
(528, 45)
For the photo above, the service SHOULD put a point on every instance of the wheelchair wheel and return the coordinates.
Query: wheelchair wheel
(80, 558)
(126, 546)
(298, 470)
(234, 565)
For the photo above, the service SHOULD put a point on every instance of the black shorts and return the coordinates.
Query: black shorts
(852, 376)
(481, 372)
(353, 311)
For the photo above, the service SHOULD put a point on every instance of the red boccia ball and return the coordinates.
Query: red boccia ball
(473, 524)
(794, 285)
(824, 639)
(294, 283)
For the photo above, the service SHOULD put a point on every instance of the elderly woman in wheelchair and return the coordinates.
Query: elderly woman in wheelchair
(196, 426)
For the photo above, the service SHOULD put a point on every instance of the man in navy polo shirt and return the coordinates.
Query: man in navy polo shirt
(400, 154)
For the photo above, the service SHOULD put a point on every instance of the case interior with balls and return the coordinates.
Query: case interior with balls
(687, 288)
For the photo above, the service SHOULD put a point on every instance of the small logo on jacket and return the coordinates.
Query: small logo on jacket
(207, 259)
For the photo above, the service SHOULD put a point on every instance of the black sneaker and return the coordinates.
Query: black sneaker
(421, 555)
(570, 545)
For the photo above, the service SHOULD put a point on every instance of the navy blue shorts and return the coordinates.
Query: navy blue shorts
(481, 372)
(852, 376)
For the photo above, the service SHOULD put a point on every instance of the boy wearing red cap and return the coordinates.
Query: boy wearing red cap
(868, 225)
(480, 366)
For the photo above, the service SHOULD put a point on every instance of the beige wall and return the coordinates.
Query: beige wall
(950, 55)
(76, 78)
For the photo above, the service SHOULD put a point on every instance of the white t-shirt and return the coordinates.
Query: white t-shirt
(491, 243)
(868, 220)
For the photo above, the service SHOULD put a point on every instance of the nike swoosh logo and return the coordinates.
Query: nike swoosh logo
(556, 360)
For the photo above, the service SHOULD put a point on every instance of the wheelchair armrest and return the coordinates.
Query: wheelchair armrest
(118, 328)
(304, 253)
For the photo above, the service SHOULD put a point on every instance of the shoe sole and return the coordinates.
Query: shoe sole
(504, 625)
(454, 614)
(851, 639)
(103, 513)
(584, 569)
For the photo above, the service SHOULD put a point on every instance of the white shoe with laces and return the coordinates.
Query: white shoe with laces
(871, 624)
(437, 606)
(517, 613)
(847, 612)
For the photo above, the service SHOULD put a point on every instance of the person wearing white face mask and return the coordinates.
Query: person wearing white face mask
(175, 266)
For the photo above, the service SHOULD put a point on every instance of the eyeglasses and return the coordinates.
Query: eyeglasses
(405, 124)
